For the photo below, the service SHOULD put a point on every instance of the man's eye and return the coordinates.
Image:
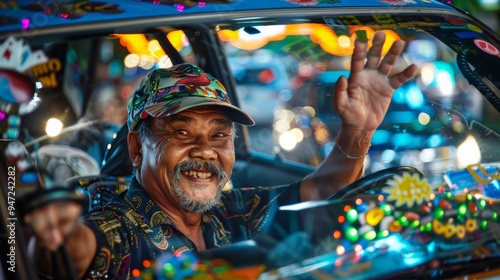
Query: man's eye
(181, 132)
(220, 134)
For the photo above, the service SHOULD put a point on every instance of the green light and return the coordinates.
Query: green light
(469, 197)
(428, 227)
(186, 264)
(482, 203)
(169, 271)
(382, 234)
(439, 213)
(462, 209)
(448, 194)
(494, 216)
(352, 234)
(370, 235)
(403, 221)
(415, 224)
(352, 215)
(483, 224)
(386, 208)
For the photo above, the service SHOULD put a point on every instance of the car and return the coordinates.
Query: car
(426, 207)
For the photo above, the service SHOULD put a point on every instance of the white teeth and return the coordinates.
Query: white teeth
(198, 174)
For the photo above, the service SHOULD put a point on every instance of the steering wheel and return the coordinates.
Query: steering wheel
(372, 180)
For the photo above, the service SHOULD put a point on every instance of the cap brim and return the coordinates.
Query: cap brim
(171, 107)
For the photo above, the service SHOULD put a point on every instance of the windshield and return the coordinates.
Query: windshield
(285, 76)
(439, 124)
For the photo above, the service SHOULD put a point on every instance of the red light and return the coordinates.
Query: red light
(341, 219)
(267, 76)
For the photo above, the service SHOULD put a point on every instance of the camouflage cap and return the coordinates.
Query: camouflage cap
(167, 91)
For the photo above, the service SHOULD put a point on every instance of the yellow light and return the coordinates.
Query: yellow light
(359, 201)
(178, 39)
(358, 248)
(287, 141)
(53, 127)
(340, 250)
(165, 62)
(310, 110)
(468, 152)
(154, 46)
(131, 60)
(297, 133)
(281, 126)
(320, 34)
(140, 46)
(424, 118)
(344, 41)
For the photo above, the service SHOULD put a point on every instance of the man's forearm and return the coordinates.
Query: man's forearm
(343, 165)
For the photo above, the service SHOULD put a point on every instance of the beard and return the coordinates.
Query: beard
(190, 204)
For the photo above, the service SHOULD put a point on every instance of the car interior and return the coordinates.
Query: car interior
(439, 136)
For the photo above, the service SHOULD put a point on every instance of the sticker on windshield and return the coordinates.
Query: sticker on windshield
(455, 21)
(20, 93)
(408, 189)
(467, 35)
(474, 28)
(73, 10)
(486, 47)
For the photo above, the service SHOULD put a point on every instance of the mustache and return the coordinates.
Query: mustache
(200, 165)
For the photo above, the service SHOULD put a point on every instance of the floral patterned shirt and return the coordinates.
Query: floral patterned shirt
(132, 228)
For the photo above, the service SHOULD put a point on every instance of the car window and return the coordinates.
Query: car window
(98, 77)
(285, 76)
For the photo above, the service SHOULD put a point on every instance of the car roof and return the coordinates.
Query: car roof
(28, 17)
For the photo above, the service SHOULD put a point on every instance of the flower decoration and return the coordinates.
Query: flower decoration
(408, 189)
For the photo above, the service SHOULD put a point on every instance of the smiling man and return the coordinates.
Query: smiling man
(182, 149)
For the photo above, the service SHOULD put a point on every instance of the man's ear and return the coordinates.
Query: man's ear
(134, 148)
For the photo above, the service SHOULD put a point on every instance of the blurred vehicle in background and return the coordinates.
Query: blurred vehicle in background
(262, 83)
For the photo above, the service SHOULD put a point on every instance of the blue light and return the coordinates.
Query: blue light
(414, 97)
(402, 139)
(380, 137)
(402, 116)
(399, 95)
(435, 140)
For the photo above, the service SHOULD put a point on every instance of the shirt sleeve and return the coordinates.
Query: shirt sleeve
(112, 258)
(259, 208)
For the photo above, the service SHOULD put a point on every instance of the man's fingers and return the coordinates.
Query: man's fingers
(391, 57)
(340, 89)
(399, 79)
(358, 57)
(375, 51)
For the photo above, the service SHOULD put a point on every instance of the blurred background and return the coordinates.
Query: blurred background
(488, 11)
